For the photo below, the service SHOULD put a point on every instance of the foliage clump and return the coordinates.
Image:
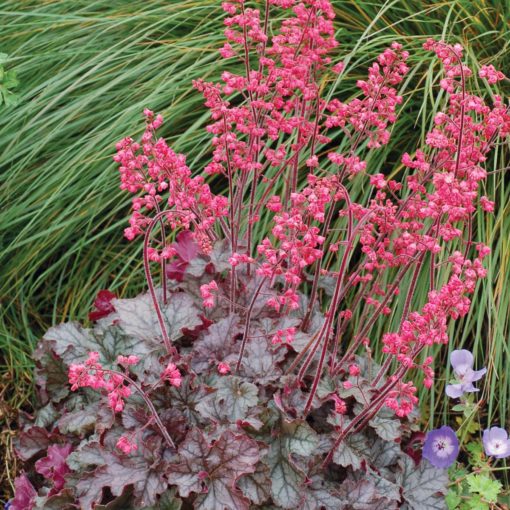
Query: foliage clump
(240, 439)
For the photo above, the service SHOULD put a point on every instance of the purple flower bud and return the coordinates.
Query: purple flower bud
(496, 442)
(462, 363)
(441, 447)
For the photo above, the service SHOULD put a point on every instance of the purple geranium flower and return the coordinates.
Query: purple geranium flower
(462, 363)
(496, 442)
(441, 447)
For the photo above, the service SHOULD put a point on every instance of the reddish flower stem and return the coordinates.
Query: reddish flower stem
(247, 324)
(149, 404)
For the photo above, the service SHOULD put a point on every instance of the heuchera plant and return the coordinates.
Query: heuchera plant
(245, 379)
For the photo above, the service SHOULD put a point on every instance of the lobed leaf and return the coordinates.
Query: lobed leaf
(214, 469)
(424, 486)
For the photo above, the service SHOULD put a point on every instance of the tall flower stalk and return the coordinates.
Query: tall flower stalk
(274, 130)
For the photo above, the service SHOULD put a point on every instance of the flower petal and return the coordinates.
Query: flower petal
(469, 388)
(454, 390)
(461, 358)
(496, 433)
(478, 374)
(506, 453)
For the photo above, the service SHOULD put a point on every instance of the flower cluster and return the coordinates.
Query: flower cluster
(208, 291)
(371, 115)
(172, 375)
(491, 74)
(91, 374)
(291, 274)
(277, 132)
(151, 168)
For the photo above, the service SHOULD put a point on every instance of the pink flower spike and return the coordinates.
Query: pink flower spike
(491, 74)
(354, 370)
(172, 375)
(206, 291)
(340, 405)
(487, 205)
(128, 360)
(223, 368)
(126, 446)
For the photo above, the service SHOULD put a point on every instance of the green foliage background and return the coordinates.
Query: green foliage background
(87, 68)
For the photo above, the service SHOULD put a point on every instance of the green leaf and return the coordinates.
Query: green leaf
(10, 98)
(475, 503)
(3, 58)
(424, 486)
(453, 499)
(10, 80)
(476, 454)
(486, 487)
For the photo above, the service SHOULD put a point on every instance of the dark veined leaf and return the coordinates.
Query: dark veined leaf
(212, 470)
(220, 255)
(217, 344)
(231, 400)
(424, 486)
(287, 479)
(63, 501)
(261, 359)
(256, 486)
(351, 452)
(321, 495)
(143, 471)
(386, 425)
(383, 487)
(138, 318)
(360, 494)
